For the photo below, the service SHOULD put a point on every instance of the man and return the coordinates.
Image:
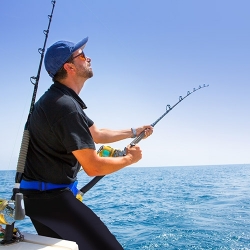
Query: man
(62, 139)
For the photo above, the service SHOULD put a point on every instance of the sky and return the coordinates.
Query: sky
(145, 54)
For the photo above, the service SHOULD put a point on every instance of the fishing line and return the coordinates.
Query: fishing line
(13, 149)
(25, 139)
(14, 210)
(34, 80)
(89, 185)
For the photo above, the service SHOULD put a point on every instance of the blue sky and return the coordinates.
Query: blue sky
(145, 54)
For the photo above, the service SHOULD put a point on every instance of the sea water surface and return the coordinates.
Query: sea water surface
(193, 207)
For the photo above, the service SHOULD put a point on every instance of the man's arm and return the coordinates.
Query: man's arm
(109, 136)
(94, 165)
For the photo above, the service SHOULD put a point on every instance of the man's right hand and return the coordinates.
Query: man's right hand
(134, 152)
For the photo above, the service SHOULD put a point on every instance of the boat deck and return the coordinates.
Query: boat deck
(35, 242)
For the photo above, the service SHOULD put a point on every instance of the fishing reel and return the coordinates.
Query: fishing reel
(7, 209)
(10, 211)
(107, 151)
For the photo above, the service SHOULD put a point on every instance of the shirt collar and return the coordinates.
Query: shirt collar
(68, 91)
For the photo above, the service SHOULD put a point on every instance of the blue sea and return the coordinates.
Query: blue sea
(193, 207)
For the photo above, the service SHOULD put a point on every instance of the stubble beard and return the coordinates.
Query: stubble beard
(85, 73)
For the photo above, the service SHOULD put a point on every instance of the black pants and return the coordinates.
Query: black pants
(59, 214)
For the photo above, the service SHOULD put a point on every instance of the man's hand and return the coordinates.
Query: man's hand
(134, 153)
(148, 130)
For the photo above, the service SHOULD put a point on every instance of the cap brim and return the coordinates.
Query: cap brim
(81, 44)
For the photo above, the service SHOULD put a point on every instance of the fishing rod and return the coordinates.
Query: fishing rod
(16, 211)
(116, 153)
(25, 140)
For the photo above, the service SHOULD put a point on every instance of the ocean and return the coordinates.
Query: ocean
(193, 207)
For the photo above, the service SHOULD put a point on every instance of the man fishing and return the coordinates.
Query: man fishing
(62, 139)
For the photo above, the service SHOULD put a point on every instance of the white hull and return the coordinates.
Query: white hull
(36, 242)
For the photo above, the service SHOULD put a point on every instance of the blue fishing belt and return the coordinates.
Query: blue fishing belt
(43, 186)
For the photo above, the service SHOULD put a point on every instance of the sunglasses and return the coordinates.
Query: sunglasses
(81, 56)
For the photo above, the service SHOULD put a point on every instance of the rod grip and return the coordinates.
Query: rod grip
(23, 151)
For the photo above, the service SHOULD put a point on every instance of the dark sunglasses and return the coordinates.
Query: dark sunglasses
(81, 56)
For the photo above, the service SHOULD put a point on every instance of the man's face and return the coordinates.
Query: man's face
(82, 64)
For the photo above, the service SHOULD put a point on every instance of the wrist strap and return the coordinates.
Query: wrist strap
(133, 130)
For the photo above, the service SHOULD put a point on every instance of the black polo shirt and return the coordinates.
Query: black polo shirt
(58, 125)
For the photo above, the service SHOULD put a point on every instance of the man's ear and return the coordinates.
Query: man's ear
(68, 67)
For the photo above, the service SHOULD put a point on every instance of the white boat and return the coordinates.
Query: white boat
(36, 242)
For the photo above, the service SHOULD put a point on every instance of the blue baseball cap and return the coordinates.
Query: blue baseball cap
(58, 54)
